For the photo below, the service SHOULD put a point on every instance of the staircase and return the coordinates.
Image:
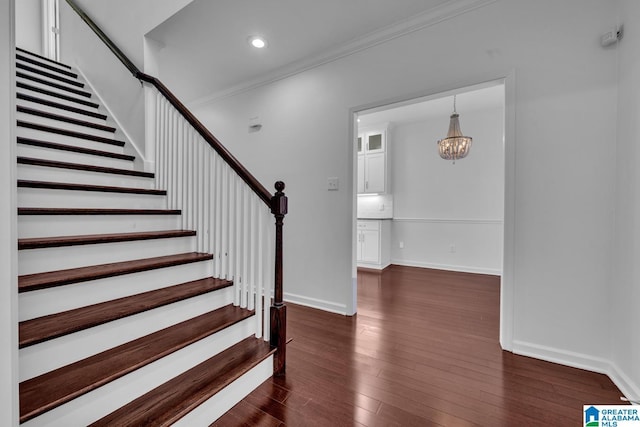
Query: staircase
(121, 322)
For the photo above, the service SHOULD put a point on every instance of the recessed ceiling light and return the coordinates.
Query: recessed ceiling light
(257, 42)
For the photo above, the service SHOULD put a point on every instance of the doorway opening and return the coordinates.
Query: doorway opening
(51, 29)
(414, 208)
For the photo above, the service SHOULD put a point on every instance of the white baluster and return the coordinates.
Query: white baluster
(233, 233)
(258, 242)
(239, 242)
(217, 188)
(230, 220)
(223, 223)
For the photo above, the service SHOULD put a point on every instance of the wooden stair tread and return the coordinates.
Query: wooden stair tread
(87, 187)
(70, 133)
(22, 75)
(172, 400)
(47, 115)
(54, 388)
(72, 148)
(26, 67)
(22, 85)
(78, 166)
(92, 239)
(95, 211)
(49, 279)
(45, 65)
(45, 328)
(43, 58)
(49, 103)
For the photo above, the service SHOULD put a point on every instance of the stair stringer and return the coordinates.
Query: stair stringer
(132, 147)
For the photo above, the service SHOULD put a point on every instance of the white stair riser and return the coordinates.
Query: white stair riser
(31, 118)
(228, 397)
(49, 355)
(63, 225)
(35, 152)
(54, 174)
(41, 197)
(41, 68)
(67, 297)
(104, 400)
(67, 140)
(51, 83)
(51, 259)
(69, 102)
(63, 112)
(49, 87)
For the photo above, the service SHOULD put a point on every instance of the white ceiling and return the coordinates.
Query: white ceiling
(206, 42)
(485, 96)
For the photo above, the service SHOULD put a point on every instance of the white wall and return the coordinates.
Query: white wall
(563, 136)
(561, 234)
(8, 235)
(120, 91)
(29, 25)
(126, 22)
(625, 285)
(438, 204)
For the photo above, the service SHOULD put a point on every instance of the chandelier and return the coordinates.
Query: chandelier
(455, 146)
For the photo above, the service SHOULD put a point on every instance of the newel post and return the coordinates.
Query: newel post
(278, 309)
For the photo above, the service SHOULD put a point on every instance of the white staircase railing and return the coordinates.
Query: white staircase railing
(232, 222)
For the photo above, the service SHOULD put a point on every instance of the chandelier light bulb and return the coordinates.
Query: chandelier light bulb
(455, 146)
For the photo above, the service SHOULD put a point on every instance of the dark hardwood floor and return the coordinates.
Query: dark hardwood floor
(422, 351)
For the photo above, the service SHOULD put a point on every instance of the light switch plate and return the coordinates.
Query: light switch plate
(333, 183)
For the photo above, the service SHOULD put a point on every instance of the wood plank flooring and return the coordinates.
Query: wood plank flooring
(422, 351)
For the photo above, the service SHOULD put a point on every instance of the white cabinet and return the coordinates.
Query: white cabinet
(372, 243)
(361, 173)
(372, 161)
(375, 173)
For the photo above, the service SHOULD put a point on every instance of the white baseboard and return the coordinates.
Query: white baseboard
(580, 361)
(329, 306)
(374, 266)
(460, 268)
(625, 384)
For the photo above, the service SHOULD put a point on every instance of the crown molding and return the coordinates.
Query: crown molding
(426, 19)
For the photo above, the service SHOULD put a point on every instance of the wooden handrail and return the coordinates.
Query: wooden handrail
(246, 176)
(111, 45)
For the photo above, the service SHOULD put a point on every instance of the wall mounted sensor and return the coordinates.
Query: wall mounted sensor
(612, 36)
(254, 124)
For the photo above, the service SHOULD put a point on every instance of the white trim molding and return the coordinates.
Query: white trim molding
(447, 267)
(474, 221)
(630, 390)
(443, 12)
(138, 154)
(580, 361)
(320, 304)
